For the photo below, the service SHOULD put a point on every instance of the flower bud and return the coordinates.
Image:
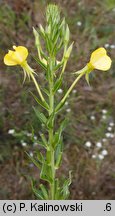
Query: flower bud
(68, 52)
(37, 40)
(67, 35)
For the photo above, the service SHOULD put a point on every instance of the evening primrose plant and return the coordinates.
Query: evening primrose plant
(56, 37)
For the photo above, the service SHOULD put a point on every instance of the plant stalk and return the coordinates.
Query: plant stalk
(51, 134)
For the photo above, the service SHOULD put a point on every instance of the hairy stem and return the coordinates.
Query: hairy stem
(51, 134)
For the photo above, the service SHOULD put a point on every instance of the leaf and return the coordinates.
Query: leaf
(40, 116)
(44, 191)
(48, 43)
(57, 135)
(35, 162)
(50, 121)
(42, 103)
(65, 189)
(41, 144)
(57, 84)
(37, 192)
(59, 160)
(59, 106)
(45, 91)
(46, 173)
(57, 190)
(58, 154)
(45, 144)
(40, 157)
(40, 63)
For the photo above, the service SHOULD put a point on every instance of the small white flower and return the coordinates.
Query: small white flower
(104, 140)
(88, 144)
(100, 156)
(111, 135)
(111, 124)
(60, 91)
(108, 135)
(104, 111)
(68, 110)
(66, 103)
(79, 23)
(93, 156)
(112, 46)
(92, 117)
(106, 45)
(29, 134)
(35, 144)
(31, 154)
(24, 144)
(99, 144)
(104, 152)
(104, 117)
(74, 91)
(109, 128)
(35, 137)
(11, 131)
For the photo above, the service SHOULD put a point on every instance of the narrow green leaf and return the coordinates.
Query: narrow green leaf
(58, 160)
(65, 189)
(40, 157)
(57, 135)
(44, 191)
(41, 144)
(57, 84)
(46, 173)
(44, 140)
(43, 104)
(58, 154)
(37, 192)
(40, 116)
(59, 106)
(40, 63)
(35, 162)
(50, 121)
(57, 189)
(45, 91)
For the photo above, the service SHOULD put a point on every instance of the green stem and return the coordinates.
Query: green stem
(81, 73)
(51, 132)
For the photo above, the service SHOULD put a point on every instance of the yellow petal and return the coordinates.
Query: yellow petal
(100, 60)
(9, 60)
(16, 57)
(97, 54)
(21, 53)
(104, 63)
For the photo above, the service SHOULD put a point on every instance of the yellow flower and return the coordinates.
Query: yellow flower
(100, 60)
(16, 57)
